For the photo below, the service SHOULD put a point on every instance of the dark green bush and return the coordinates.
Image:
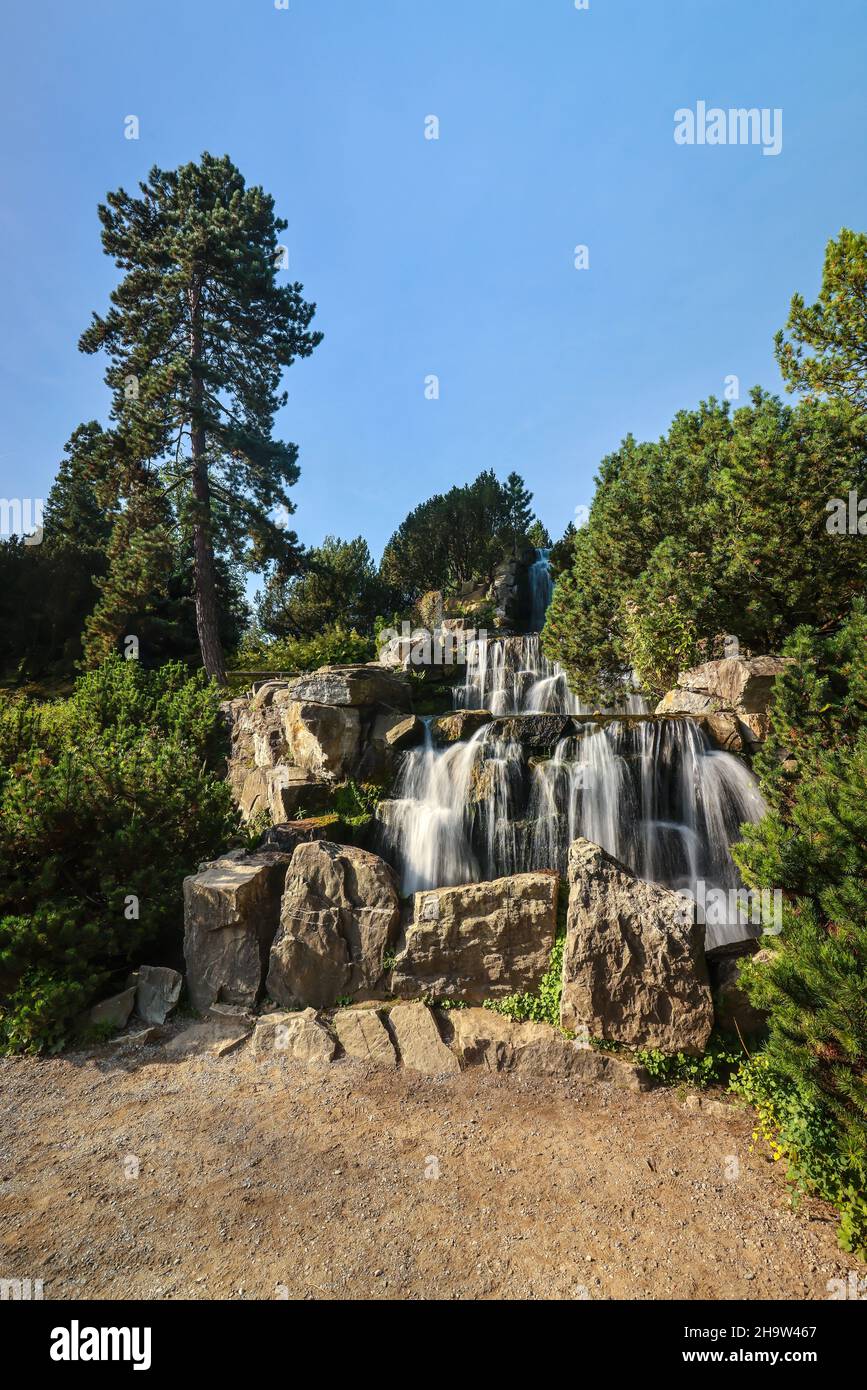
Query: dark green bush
(812, 977)
(106, 801)
(333, 646)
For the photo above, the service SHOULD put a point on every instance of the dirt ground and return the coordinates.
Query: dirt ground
(139, 1176)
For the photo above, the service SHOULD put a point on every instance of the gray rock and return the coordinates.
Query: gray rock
(633, 966)
(340, 913)
(113, 1012)
(352, 685)
(537, 733)
(479, 941)
(231, 914)
(158, 991)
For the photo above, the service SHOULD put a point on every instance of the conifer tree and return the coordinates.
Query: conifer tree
(518, 511)
(833, 330)
(812, 845)
(197, 336)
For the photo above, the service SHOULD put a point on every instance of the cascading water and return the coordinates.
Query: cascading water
(541, 586)
(652, 792)
(512, 675)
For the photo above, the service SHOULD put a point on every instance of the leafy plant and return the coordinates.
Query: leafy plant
(544, 1005)
(712, 1068)
(334, 646)
(106, 801)
(801, 1131)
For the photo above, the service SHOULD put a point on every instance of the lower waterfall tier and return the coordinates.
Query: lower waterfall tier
(654, 793)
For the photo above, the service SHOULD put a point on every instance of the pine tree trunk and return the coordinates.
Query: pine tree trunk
(207, 622)
(204, 569)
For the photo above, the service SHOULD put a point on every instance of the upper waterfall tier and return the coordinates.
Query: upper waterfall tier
(512, 675)
(541, 585)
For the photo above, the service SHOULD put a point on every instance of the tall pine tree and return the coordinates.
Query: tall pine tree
(518, 508)
(198, 335)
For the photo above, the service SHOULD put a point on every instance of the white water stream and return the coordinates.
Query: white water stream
(652, 792)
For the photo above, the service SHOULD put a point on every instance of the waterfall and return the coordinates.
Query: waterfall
(654, 793)
(427, 827)
(541, 587)
(512, 675)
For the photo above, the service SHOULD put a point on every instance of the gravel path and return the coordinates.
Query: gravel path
(139, 1176)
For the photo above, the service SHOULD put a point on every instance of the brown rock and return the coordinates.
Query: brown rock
(300, 1036)
(633, 966)
(340, 912)
(485, 1038)
(462, 724)
(481, 940)
(231, 913)
(292, 790)
(418, 1041)
(363, 1035)
(323, 739)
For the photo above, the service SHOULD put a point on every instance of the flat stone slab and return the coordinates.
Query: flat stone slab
(352, 685)
(418, 1040)
(300, 1036)
(363, 1035)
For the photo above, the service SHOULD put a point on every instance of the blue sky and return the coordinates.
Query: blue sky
(455, 256)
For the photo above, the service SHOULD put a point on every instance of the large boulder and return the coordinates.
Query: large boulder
(483, 1038)
(339, 915)
(323, 739)
(634, 970)
(419, 1044)
(231, 913)
(479, 941)
(730, 696)
(352, 686)
(536, 733)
